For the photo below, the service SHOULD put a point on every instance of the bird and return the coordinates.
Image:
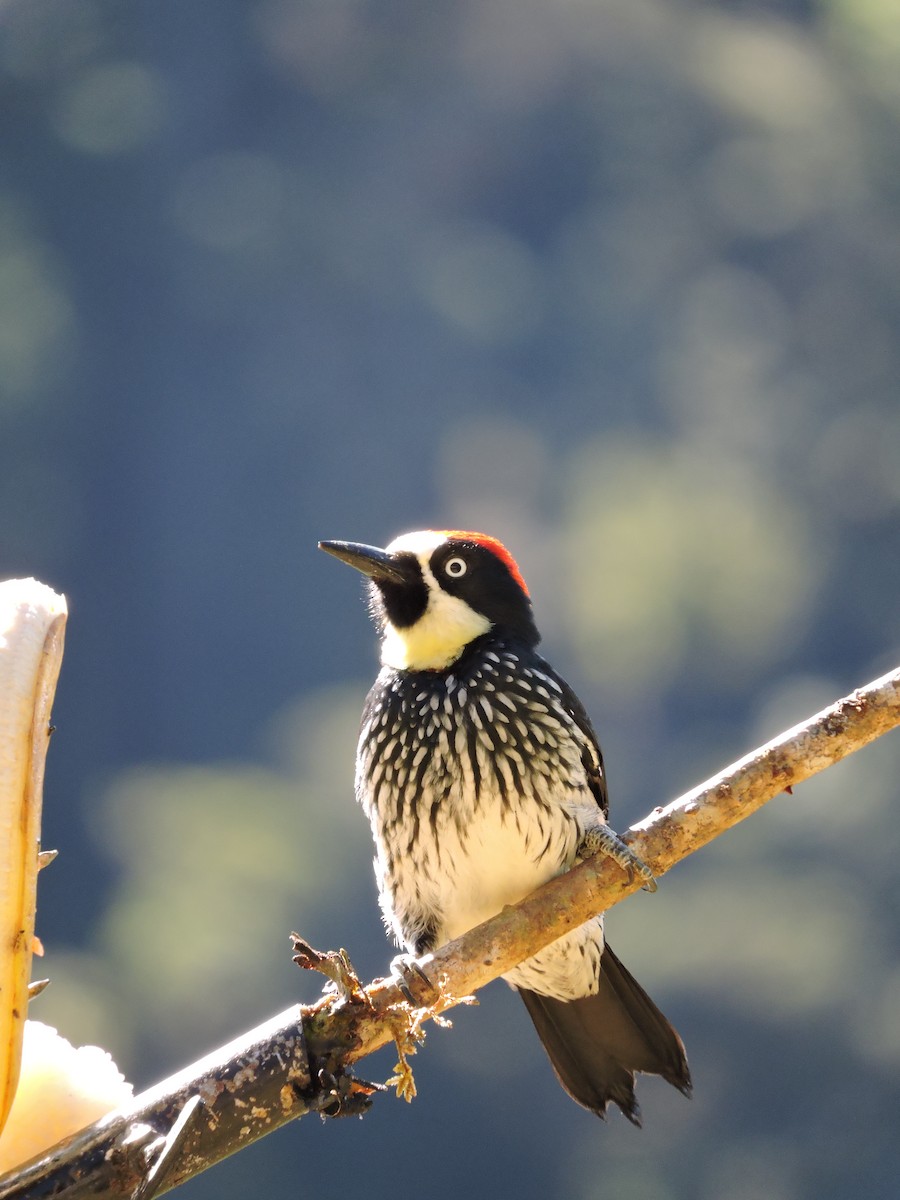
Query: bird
(482, 777)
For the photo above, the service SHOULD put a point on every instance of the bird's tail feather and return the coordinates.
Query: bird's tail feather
(597, 1043)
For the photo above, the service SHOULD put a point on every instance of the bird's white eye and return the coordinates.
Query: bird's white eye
(455, 567)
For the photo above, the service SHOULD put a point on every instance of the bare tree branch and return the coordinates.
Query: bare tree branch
(294, 1064)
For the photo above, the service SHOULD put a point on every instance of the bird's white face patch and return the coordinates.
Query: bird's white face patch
(446, 627)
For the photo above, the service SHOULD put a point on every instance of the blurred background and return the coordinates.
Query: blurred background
(615, 280)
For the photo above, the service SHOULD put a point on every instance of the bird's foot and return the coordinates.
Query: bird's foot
(600, 839)
(425, 1000)
(406, 1021)
(406, 972)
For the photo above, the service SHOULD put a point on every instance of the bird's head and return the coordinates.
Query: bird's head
(436, 591)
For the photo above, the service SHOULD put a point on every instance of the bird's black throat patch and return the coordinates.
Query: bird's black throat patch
(400, 604)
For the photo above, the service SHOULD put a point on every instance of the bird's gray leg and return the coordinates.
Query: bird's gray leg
(600, 839)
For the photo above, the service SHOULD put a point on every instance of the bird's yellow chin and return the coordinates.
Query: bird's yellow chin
(437, 639)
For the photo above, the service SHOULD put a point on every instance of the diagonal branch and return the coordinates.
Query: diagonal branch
(293, 1064)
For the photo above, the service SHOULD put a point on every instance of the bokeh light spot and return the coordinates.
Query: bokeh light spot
(112, 108)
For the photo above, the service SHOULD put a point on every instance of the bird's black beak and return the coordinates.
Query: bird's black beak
(376, 563)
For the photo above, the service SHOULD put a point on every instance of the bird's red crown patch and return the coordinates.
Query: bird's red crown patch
(495, 546)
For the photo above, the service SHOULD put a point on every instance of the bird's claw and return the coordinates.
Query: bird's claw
(406, 970)
(600, 839)
(649, 884)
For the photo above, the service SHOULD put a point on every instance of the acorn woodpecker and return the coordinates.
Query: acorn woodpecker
(482, 778)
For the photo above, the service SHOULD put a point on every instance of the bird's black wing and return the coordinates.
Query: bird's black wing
(591, 755)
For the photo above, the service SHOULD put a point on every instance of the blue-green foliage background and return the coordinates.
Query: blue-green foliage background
(617, 280)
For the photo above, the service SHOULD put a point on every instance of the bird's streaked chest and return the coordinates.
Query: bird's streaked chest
(475, 784)
(497, 725)
(490, 742)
